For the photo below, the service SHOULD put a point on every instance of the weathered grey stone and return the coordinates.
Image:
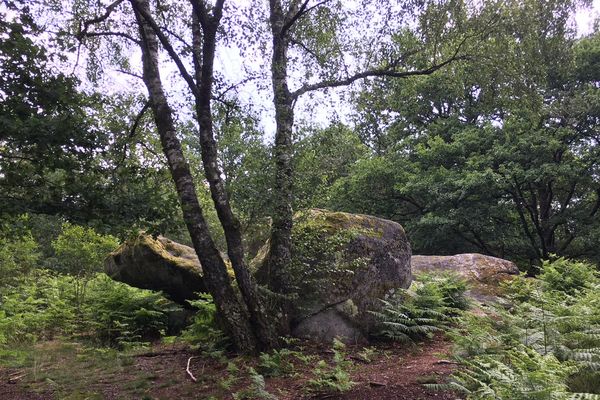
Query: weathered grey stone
(484, 273)
(328, 324)
(342, 264)
(157, 264)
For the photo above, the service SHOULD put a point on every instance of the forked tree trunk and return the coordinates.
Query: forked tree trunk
(204, 29)
(233, 313)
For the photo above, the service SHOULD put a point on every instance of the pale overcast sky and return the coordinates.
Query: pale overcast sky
(235, 68)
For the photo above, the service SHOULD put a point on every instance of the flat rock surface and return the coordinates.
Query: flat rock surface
(484, 273)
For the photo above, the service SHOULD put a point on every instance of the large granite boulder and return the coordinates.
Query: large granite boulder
(341, 265)
(158, 264)
(484, 273)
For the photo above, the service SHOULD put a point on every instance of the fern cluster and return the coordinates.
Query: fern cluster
(204, 332)
(43, 305)
(519, 373)
(256, 390)
(544, 345)
(335, 377)
(430, 305)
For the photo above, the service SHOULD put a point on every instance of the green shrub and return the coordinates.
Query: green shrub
(80, 251)
(118, 314)
(521, 288)
(451, 286)
(585, 382)
(204, 331)
(256, 390)
(518, 374)
(19, 255)
(567, 276)
(545, 346)
(37, 304)
(276, 363)
(43, 305)
(39, 307)
(476, 335)
(335, 377)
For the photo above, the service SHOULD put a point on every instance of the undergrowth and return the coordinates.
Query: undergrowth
(544, 344)
(203, 333)
(43, 306)
(66, 296)
(430, 305)
(334, 377)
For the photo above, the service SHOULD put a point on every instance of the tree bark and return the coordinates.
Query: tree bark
(204, 30)
(281, 231)
(233, 313)
(282, 22)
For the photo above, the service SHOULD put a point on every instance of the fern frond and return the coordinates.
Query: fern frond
(584, 396)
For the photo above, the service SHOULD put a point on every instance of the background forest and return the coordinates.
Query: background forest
(475, 126)
(496, 153)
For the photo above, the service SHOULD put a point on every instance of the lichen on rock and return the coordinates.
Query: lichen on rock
(341, 264)
(158, 264)
(483, 273)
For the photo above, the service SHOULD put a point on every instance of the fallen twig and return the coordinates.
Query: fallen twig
(15, 377)
(446, 362)
(188, 369)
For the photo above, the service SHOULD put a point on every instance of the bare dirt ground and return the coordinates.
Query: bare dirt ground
(59, 372)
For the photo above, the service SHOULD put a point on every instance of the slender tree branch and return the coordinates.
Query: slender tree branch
(138, 118)
(301, 11)
(305, 48)
(87, 23)
(372, 73)
(202, 13)
(235, 86)
(390, 72)
(294, 12)
(524, 225)
(169, 48)
(132, 131)
(130, 73)
(109, 33)
(228, 104)
(151, 151)
(178, 37)
(569, 197)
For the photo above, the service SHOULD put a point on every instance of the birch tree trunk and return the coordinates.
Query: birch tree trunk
(281, 231)
(204, 30)
(284, 18)
(234, 314)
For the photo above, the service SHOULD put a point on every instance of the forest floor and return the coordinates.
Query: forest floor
(69, 371)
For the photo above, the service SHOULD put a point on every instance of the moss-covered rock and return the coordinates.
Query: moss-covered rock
(157, 264)
(341, 264)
